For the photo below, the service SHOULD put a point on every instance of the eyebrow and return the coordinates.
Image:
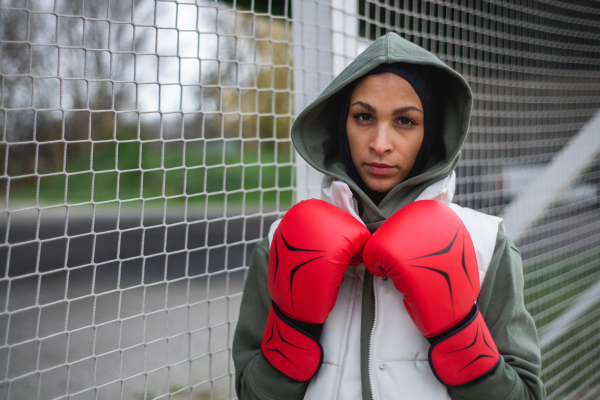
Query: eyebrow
(401, 110)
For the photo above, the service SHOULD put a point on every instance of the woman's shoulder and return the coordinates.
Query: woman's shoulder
(484, 230)
(271, 233)
(478, 222)
(477, 215)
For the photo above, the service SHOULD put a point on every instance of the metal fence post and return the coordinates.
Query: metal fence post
(325, 41)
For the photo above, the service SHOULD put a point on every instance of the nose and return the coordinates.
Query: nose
(380, 143)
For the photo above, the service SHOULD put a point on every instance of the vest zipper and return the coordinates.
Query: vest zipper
(371, 383)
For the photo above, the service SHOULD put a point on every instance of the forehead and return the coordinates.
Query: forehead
(385, 85)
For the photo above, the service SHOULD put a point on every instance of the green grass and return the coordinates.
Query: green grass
(136, 171)
(550, 289)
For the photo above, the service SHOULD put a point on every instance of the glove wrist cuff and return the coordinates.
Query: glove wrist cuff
(292, 347)
(466, 353)
(310, 329)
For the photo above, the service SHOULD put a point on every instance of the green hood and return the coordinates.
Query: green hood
(314, 133)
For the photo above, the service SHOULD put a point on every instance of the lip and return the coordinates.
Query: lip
(379, 168)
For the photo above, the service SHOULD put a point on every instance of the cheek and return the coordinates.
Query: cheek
(415, 146)
(355, 154)
(356, 143)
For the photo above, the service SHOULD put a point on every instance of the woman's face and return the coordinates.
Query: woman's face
(385, 129)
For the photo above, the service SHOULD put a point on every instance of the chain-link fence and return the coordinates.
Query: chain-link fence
(144, 150)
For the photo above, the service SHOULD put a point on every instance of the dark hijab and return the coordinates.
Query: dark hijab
(421, 80)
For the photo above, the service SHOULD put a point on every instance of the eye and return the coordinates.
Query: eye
(406, 121)
(362, 117)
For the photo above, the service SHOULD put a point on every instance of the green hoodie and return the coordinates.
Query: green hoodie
(314, 135)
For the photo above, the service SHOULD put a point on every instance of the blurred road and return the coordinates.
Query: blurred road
(159, 246)
(129, 306)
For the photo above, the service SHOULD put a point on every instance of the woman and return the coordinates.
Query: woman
(320, 317)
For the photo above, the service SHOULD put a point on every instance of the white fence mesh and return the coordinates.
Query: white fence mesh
(144, 150)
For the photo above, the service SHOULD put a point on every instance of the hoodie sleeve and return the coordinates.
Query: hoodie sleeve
(501, 302)
(255, 378)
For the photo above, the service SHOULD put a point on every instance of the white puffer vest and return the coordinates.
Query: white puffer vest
(398, 365)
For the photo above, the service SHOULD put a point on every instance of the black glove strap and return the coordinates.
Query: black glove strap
(463, 322)
(307, 328)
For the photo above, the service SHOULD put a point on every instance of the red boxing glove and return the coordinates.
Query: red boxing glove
(312, 247)
(427, 251)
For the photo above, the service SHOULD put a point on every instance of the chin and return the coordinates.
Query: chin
(380, 187)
